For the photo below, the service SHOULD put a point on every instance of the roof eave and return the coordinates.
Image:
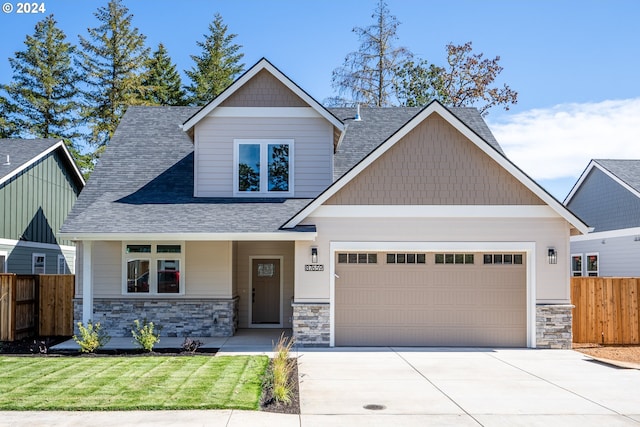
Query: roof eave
(284, 235)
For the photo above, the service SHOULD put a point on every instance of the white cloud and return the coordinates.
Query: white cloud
(559, 142)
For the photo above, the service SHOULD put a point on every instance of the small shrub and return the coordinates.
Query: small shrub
(282, 369)
(145, 334)
(191, 346)
(92, 337)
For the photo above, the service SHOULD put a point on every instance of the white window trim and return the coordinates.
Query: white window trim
(3, 265)
(64, 265)
(582, 265)
(33, 263)
(153, 257)
(263, 143)
(586, 264)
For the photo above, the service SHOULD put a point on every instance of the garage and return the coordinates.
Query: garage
(430, 299)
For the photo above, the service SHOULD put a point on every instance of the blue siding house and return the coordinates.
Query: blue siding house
(607, 198)
(39, 183)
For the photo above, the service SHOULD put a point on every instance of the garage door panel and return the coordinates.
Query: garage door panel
(429, 304)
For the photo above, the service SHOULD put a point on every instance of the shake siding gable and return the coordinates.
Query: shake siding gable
(434, 165)
(264, 90)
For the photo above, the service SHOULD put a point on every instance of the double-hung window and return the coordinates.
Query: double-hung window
(38, 262)
(154, 268)
(263, 167)
(576, 265)
(592, 264)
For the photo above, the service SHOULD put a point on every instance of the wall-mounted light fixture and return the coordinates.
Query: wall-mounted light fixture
(314, 255)
(553, 256)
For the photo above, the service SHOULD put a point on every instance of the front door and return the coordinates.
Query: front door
(265, 301)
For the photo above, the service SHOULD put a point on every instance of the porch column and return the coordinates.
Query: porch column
(87, 282)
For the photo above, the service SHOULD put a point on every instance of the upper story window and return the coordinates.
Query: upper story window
(263, 167)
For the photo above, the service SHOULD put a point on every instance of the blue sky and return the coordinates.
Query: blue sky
(574, 63)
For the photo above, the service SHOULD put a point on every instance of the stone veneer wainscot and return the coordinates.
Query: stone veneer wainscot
(553, 326)
(311, 324)
(177, 317)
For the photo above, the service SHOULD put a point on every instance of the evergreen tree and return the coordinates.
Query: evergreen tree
(161, 81)
(44, 87)
(217, 66)
(113, 60)
(368, 76)
(8, 121)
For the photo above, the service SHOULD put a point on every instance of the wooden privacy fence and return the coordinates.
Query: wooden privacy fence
(607, 310)
(35, 305)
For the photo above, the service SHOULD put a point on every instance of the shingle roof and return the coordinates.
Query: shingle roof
(144, 180)
(627, 170)
(21, 151)
(144, 184)
(378, 124)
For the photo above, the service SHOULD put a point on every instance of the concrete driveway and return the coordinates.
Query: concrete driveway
(460, 387)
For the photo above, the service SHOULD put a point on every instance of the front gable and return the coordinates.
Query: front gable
(264, 90)
(434, 164)
(604, 201)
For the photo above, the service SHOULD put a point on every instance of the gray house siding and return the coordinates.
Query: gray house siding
(19, 257)
(604, 204)
(35, 202)
(617, 257)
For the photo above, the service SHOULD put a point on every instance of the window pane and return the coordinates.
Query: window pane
(342, 258)
(168, 249)
(497, 259)
(517, 259)
(278, 155)
(353, 258)
(138, 249)
(592, 263)
(249, 167)
(138, 275)
(421, 258)
(488, 259)
(411, 258)
(507, 259)
(373, 258)
(576, 263)
(439, 258)
(391, 258)
(400, 258)
(38, 264)
(168, 276)
(448, 258)
(362, 258)
(459, 258)
(468, 258)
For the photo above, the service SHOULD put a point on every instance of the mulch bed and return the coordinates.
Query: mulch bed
(41, 347)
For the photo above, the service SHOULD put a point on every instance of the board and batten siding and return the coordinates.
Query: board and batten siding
(35, 202)
(214, 145)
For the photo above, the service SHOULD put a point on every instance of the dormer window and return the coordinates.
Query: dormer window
(263, 167)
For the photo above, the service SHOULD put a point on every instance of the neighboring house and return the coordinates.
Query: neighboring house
(39, 183)
(395, 226)
(607, 197)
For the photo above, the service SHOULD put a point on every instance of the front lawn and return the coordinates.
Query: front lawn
(129, 383)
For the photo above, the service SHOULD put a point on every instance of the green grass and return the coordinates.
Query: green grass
(130, 383)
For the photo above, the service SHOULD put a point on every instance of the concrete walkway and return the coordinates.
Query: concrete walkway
(417, 387)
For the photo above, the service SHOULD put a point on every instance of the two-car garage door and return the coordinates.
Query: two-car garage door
(430, 299)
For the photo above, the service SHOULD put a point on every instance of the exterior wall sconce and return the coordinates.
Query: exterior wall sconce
(553, 256)
(314, 255)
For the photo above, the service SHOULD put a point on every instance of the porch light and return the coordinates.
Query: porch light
(553, 256)
(314, 255)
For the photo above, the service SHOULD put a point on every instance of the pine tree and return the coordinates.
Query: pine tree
(113, 60)
(217, 66)
(161, 81)
(44, 89)
(8, 122)
(368, 76)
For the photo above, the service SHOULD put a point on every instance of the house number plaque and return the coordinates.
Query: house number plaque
(314, 267)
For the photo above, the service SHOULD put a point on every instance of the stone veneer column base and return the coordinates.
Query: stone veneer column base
(553, 326)
(177, 317)
(311, 324)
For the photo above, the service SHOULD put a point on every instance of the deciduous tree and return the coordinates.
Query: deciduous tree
(369, 75)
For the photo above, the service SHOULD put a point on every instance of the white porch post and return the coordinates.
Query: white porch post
(87, 282)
